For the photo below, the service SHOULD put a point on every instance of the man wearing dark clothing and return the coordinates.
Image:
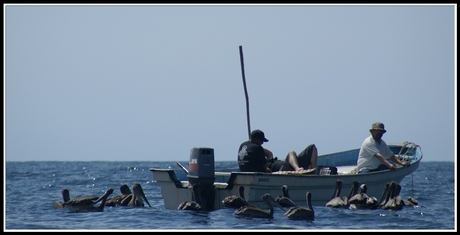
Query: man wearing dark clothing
(251, 154)
(304, 160)
(252, 157)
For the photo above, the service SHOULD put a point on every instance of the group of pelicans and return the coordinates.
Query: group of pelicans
(357, 199)
(128, 198)
(389, 200)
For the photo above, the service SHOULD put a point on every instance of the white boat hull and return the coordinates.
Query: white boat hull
(176, 191)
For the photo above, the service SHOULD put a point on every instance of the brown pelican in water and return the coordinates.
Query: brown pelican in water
(86, 203)
(256, 212)
(116, 201)
(234, 201)
(285, 200)
(135, 199)
(191, 205)
(394, 201)
(336, 200)
(302, 213)
(384, 197)
(410, 202)
(66, 197)
(398, 199)
(362, 200)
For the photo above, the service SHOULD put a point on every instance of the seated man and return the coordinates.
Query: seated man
(252, 157)
(374, 154)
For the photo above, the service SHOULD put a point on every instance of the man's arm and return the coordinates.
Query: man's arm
(268, 170)
(395, 159)
(268, 154)
(384, 161)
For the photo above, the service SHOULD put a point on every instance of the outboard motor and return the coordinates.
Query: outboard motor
(201, 174)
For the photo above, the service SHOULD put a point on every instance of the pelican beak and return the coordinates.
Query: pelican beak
(275, 203)
(98, 200)
(141, 193)
(106, 195)
(145, 199)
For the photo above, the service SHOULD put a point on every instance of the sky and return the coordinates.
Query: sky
(151, 82)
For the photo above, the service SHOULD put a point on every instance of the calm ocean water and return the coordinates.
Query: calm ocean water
(33, 187)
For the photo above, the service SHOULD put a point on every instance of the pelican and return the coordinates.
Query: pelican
(336, 200)
(256, 212)
(384, 197)
(234, 201)
(135, 199)
(302, 213)
(399, 202)
(372, 202)
(66, 197)
(285, 200)
(116, 201)
(388, 196)
(360, 198)
(86, 203)
(363, 201)
(353, 191)
(393, 201)
(191, 205)
(410, 202)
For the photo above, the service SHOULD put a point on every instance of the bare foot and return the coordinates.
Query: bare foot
(299, 169)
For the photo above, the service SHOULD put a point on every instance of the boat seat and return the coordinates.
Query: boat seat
(347, 170)
(326, 170)
(302, 172)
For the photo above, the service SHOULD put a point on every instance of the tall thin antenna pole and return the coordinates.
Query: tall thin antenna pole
(245, 90)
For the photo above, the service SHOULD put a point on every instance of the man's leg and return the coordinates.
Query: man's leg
(292, 160)
(314, 157)
(308, 157)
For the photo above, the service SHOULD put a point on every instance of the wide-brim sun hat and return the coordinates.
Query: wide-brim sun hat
(378, 126)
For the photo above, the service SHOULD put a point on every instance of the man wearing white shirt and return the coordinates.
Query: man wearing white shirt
(374, 154)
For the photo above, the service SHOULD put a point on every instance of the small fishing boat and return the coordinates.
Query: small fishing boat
(176, 187)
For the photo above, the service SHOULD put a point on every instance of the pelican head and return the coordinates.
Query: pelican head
(65, 194)
(137, 198)
(269, 200)
(124, 189)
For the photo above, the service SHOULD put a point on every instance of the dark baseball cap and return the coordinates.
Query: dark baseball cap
(259, 135)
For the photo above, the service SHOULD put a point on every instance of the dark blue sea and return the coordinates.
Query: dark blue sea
(32, 188)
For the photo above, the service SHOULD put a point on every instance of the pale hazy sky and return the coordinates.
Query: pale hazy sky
(150, 82)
